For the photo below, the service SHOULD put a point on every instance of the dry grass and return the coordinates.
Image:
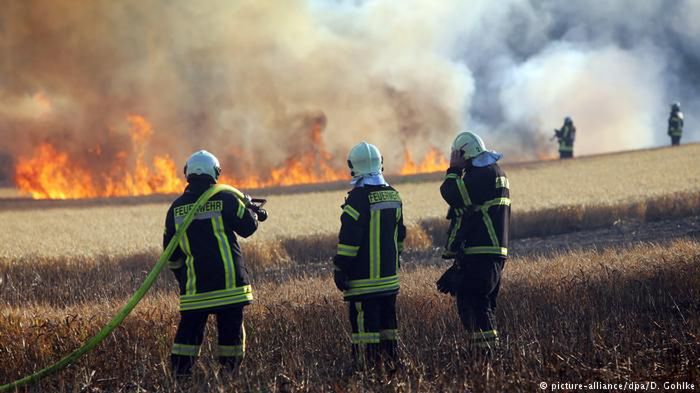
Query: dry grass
(618, 315)
(610, 316)
(573, 218)
(542, 192)
(116, 241)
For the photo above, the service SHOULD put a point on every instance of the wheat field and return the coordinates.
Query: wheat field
(623, 314)
(568, 186)
(615, 315)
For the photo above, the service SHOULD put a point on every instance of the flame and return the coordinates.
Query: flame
(140, 130)
(432, 162)
(52, 173)
(312, 166)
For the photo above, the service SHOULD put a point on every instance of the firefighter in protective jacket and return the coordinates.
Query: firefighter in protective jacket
(209, 266)
(367, 260)
(477, 191)
(566, 137)
(675, 124)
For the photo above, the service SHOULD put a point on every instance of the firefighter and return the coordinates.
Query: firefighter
(675, 124)
(566, 136)
(477, 191)
(209, 267)
(366, 265)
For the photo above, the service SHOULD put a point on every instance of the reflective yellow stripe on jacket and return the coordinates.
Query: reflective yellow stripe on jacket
(495, 249)
(347, 250)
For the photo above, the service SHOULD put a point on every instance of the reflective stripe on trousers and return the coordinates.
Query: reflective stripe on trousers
(484, 339)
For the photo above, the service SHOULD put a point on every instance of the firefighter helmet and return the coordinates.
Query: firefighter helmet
(676, 106)
(202, 163)
(365, 159)
(470, 144)
(567, 120)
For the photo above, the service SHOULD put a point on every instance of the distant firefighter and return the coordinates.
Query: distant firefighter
(478, 194)
(366, 265)
(566, 136)
(675, 124)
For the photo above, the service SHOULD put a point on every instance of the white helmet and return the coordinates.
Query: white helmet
(202, 163)
(469, 143)
(365, 159)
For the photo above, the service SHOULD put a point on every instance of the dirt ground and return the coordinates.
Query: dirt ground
(623, 233)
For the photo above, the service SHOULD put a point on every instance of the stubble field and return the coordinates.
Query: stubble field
(621, 314)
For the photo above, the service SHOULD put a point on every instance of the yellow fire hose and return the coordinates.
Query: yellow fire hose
(135, 298)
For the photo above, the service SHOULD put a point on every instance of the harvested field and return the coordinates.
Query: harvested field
(581, 316)
(615, 298)
(569, 195)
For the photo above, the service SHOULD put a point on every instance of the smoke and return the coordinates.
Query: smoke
(603, 90)
(614, 67)
(245, 79)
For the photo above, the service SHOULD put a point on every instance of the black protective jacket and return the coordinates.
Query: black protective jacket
(370, 241)
(479, 202)
(567, 136)
(208, 263)
(675, 123)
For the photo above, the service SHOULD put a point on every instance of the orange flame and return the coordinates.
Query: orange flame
(313, 166)
(53, 174)
(432, 162)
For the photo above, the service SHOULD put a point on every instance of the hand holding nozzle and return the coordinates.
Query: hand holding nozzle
(256, 205)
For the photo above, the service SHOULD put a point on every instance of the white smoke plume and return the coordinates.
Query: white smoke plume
(245, 78)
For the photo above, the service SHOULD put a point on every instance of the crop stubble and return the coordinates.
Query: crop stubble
(614, 315)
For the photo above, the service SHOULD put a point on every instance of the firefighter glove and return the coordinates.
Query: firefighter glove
(450, 281)
(457, 160)
(247, 201)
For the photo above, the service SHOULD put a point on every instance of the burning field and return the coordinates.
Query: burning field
(49, 173)
(109, 98)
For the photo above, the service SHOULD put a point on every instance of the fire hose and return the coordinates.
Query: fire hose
(139, 294)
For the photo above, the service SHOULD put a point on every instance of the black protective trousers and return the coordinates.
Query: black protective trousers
(675, 140)
(374, 331)
(190, 334)
(476, 297)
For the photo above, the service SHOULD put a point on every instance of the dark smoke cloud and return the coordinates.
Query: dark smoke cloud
(243, 78)
(613, 66)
